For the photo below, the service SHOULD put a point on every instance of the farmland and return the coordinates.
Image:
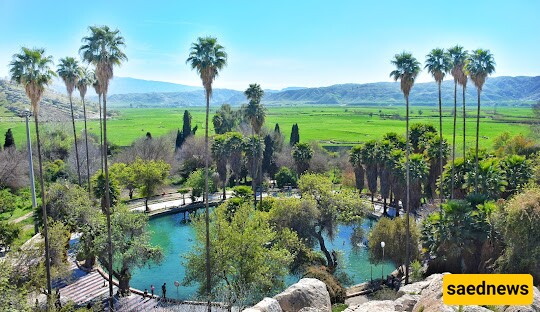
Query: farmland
(328, 125)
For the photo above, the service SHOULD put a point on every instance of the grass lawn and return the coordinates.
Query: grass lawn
(328, 125)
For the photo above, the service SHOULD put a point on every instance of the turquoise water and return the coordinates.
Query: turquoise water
(175, 238)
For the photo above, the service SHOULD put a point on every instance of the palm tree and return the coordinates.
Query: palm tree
(407, 69)
(355, 158)
(207, 57)
(86, 78)
(235, 146)
(31, 69)
(480, 65)
(256, 114)
(68, 70)
(103, 49)
(458, 57)
(438, 64)
(220, 154)
(95, 84)
(370, 160)
(302, 154)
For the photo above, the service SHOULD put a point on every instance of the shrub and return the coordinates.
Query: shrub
(334, 287)
(286, 176)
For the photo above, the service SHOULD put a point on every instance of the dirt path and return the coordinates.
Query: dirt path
(22, 218)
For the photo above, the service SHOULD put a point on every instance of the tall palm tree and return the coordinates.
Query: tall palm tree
(103, 49)
(302, 154)
(458, 57)
(31, 69)
(86, 78)
(480, 65)
(407, 69)
(95, 84)
(220, 153)
(438, 64)
(207, 57)
(256, 114)
(68, 70)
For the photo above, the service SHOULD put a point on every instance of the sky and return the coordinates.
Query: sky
(278, 43)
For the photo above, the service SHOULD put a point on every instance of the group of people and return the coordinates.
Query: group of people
(152, 289)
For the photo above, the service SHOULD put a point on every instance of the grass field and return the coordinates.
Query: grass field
(328, 125)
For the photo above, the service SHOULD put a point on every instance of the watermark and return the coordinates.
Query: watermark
(488, 289)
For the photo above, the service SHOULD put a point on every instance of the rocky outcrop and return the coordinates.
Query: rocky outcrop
(308, 295)
(266, 305)
(426, 296)
(308, 292)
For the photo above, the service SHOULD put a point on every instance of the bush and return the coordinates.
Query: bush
(286, 176)
(334, 287)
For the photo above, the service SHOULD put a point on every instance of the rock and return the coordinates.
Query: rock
(266, 305)
(431, 297)
(472, 309)
(406, 302)
(416, 288)
(310, 309)
(371, 306)
(534, 307)
(308, 292)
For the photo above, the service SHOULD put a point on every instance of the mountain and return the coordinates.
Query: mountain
(497, 90)
(125, 85)
(53, 107)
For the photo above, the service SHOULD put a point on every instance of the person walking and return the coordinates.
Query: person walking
(152, 290)
(164, 290)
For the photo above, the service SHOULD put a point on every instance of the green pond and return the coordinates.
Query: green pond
(176, 238)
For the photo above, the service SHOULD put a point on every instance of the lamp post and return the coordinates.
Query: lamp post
(27, 114)
(382, 267)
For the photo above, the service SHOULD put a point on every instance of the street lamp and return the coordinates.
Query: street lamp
(382, 267)
(27, 114)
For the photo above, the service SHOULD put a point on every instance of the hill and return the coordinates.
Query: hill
(53, 107)
(497, 91)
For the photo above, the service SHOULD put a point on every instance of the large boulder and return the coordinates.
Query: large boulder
(308, 292)
(534, 307)
(416, 288)
(406, 303)
(266, 305)
(371, 306)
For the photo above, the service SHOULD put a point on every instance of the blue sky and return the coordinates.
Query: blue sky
(280, 43)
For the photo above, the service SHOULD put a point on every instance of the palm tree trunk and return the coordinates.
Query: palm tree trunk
(75, 138)
(464, 122)
(476, 151)
(253, 173)
(43, 210)
(260, 173)
(86, 143)
(207, 217)
(100, 130)
(407, 197)
(440, 150)
(107, 201)
(453, 143)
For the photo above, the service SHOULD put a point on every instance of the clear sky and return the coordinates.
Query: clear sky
(280, 43)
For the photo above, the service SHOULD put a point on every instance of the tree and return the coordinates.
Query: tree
(181, 137)
(9, 232)
(125, 176)
(331, 209)
(480, 65)
(521, 234)
(248, 259)
(253, 153)
(295, 135)
(393, 232)
(518, 172)
(225, 119)
(150, 175)
(132, 246)
(355, 158)
(220, 153)
(255, 113)
(286, 177)
(419, 169)
(98, 180)
(384, 153)
(420, 134)
(31, 68)
(302, 154)
(458, 58)
(268, 163)
(278, 138)
(235, 146)
(407, 69)
(490, 181)
(96, 87)
(86, 78)
(68, 70)
(197, 181)
(9, 142)
(103, 49)
(369, 159)
(433, 152)
(207, 57)
(438, 64)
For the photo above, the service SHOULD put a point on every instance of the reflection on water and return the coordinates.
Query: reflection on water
(176, 238)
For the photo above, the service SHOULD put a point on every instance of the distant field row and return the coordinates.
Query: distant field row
(324, 124)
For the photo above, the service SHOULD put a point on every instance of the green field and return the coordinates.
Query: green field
(328, 125)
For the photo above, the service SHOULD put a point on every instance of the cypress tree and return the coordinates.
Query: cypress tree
(148, 135)
(179, 140)
(276, 129)
(295, 135)
(186, 127)
(9, 141)
(268, 164)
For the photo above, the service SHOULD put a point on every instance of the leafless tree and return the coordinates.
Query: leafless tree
(284, 157)
(190, 156)
(93, 157)
(156, 148)
(13, 168)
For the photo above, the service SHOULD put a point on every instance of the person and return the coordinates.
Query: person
(164, 290)
(145, 293)
(58, 303)
(152, 290)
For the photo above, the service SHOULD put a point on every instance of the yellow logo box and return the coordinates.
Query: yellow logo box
(488, 289)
